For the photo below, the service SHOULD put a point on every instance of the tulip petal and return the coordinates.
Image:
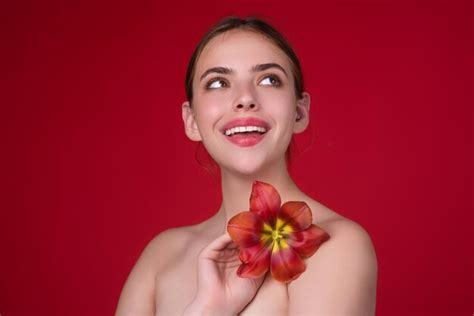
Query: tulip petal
(296, 214)
(286, 265)
(245, 229)
(265, 201)
(306, 242)
(259, 263)
(248, 254)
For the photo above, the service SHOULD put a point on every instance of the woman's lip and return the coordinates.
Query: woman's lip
(246, 121)
(246, 140)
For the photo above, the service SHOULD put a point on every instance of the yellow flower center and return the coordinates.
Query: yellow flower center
(276, 234)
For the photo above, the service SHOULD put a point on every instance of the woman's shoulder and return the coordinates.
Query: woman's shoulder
(161, 252)
(172, 237)
(342, 273)
(346, 235)
(335, 224)
(177, 243)
(172, 242)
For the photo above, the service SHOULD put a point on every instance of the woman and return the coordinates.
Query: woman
(243, 73)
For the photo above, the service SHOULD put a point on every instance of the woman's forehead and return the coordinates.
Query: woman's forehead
(240, 49)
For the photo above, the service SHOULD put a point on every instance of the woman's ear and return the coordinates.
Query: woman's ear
(302, 113)
(190, 126)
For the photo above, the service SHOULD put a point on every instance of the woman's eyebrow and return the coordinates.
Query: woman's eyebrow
(229, 71)
(219, 70)
(263, 67)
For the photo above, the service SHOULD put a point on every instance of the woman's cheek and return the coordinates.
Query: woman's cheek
(214, 99)
(208, 114)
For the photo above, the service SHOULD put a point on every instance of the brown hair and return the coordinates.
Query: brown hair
(249, 24)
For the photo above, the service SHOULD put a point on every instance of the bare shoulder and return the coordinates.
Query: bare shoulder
(341, 277)
(138, 293)
(165, 247)
(168, 244)
(346, 234)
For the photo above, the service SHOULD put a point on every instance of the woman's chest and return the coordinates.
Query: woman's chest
(177, 287)
(271, 299)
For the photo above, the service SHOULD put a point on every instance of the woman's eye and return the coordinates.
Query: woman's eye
(216, 84)
(270, 81)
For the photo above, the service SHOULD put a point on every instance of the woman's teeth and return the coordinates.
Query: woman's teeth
(244, 129)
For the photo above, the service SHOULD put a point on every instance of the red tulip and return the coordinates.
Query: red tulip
(274, 237)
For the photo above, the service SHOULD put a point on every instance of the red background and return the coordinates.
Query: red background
(95, 161)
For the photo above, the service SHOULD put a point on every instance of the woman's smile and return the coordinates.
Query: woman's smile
(246, 139)
(245, 131)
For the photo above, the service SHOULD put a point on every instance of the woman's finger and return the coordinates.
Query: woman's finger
(220, 243)
(222, 248)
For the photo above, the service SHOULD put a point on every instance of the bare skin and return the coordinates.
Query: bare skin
(172, 257)
(191, 270)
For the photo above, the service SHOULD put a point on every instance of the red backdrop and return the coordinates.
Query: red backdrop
(95, 161)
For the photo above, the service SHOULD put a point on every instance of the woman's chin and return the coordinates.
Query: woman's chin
(249, 162)
(246, 168)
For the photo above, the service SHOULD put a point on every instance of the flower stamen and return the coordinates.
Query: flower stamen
(276, 235)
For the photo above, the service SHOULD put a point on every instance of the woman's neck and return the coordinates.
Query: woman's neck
(236, 189)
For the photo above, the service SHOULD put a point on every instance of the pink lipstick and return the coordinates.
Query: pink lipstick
(245, 132)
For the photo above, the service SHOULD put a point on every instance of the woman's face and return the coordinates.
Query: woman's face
(243, 80)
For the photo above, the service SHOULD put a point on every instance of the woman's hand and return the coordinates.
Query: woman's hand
(220, 290)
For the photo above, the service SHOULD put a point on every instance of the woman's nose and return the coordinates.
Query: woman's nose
(246, 101)
(243, 105)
